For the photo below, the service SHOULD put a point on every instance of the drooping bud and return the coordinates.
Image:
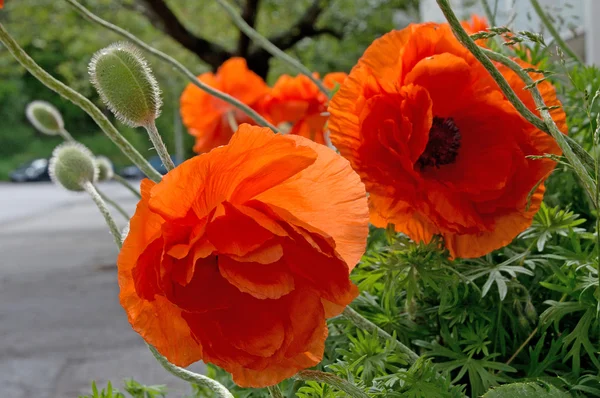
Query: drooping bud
(126, 84)
(72, 165)
(45, 117)
(530, 311)
(105, 168)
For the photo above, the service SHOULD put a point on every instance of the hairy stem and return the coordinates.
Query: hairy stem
(160, 146)
(176, 64)
(79, 100)
(581, 153)
(114, 230)
(268, 46)
(275, 392)
(462, 36)
(332, 380)
(191, 377)
(114, 204)
(127, 185)
(555, 35)
(364, 324)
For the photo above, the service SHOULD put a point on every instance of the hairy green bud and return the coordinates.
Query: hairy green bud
(45, 117)
(72, 165)
(105, 168)
(126, 84)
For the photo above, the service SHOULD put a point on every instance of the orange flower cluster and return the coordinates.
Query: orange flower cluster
(239, 255)
(438, 146)
(234, 259)
(295, 100)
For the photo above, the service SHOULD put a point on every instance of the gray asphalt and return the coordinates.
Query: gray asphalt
(61, 325)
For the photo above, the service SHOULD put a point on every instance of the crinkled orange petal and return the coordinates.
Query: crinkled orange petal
(334, 200)
(159, 321)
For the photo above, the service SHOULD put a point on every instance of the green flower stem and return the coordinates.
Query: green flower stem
(488, 12)
(275, 392)
(160, 146)
(233, 124)
(581, 153)
(267, 45)
(176, 64)
(127, 185)
(114, 204)
(66, 136)
(364, 324)
(191, 377)
(79, 100)
(462, 36)
(555, 35)
(114, 230)
(332, 380)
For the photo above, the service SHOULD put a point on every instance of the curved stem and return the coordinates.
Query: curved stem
(66, 136)
(127, 185)
(275, 392)
(581, 153)
(79, 100)
(233, 124)
(555, 35)
(114, 230)
(159, 145)
(462, 36)
(114, 204)
(364, 324)
(332, 380)
(191, 377)
(176, 64)
(268, 46)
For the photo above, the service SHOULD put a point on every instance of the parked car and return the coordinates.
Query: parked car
(36, 170)
(133, 172)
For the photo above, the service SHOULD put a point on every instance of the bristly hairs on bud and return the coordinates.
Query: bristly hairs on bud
(105, 168)
(45, 117)
(126, 84)
(72, 165)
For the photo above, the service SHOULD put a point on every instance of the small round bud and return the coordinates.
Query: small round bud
(72, 165)
(45, 117)
(530, 311)
(126, 84)
(105, 168)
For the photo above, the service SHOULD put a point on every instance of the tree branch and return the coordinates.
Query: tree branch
(211, 53)
(249, 14)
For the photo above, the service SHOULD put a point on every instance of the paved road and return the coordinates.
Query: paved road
(61, 324)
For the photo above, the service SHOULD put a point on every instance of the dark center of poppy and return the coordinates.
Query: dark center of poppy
(443, 145)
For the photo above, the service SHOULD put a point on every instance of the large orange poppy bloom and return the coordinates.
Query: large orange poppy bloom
(234, 259)
(299, 101)
(440, 149)
(206, 117)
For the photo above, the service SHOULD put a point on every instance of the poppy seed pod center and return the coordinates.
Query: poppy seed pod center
(443, 144)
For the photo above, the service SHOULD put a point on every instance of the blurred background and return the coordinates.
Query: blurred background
(60, 320)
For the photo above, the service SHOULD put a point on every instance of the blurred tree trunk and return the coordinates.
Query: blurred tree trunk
(258, 59)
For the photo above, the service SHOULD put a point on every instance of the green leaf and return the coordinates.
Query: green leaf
(526, 390)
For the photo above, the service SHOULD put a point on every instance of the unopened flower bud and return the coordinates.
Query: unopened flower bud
(530, 311)
(126, 84)
(72, 165)
(105, 168)
(45, 117)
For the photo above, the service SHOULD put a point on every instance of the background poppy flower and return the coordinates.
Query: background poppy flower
(206, 117)
(440, 149)
(239, 255)
(474, 25)
(299, 101)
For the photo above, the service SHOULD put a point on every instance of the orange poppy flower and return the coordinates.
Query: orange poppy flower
(438, 146)
(1, 3)
(235, 259)
(299, 101)
(207, 117)
(475, 25)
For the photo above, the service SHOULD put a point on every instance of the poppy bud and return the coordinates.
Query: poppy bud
(530, 311)
(126, 84)
(523, 322)
(72, 165)
(45, 117)
(105, 168)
